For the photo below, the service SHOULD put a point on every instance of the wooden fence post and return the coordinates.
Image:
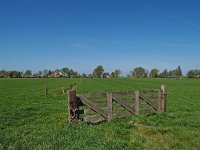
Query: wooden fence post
(163, 97)
(72, 105)
(137, 102)
(46, 90)
(110, 108)
(63, 90)
(159, 101)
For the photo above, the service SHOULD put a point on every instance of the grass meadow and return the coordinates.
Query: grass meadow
(31, 120)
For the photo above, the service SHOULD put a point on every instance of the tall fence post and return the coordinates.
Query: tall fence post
(110, 108)
(72, 105)
(163, 98)
(137, 102)
(159, 101)
(46, 90)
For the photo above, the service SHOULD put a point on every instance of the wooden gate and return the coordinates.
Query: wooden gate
(107, 106)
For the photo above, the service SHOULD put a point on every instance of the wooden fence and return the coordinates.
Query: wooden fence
(107, 106)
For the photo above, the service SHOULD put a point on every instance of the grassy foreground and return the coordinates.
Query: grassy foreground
(30, 120)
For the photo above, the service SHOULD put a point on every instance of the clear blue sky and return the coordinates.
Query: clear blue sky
(81, 34)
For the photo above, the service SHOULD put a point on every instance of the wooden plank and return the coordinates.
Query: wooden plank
(144, 104)
(123, 93)
(130, 109)
(127, 100)
(121, 114)
(146, 110)
(92, 95)
(147, 100)
(93, 106)
(110, 107)
(154, 91)
(119, 107)
(137, 102)
(154, 97)
(100, 102)
(90, 111)
(93, 119)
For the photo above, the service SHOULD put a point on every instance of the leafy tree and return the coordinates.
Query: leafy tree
(129, 75)
(193, 74)
(154, 73)
(178, 72)
(15, 74)
(28, 73)
(4, 74)
(116, 73)
(139, 72)
(112, 74)
(73, 74)
(171, 73)
(98, 72)
(190, 74)
(65, 71)
(39, 73)
(45, 73)
(164, 74)
(49, 73)
(84, 75)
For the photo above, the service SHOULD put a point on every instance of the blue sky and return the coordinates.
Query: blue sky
(81, 34)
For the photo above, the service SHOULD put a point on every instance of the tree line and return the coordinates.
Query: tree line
(99, 72)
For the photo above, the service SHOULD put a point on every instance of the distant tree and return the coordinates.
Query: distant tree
(4, 74)
(84, 75)
(171, 73)
(49, 73)
(129, 75)
(89, 76)
(45, 73)
(112, 74)
(71, 73)
(154, 73)
(28, 73)
(139, 72)
(164, 74)
(178, 72)
(39, 73)
(78, 75)
(1, 74)
(190, 74)
(65, 71)
(116, 73)
(15, 74)
(98, 72)
(193, 74)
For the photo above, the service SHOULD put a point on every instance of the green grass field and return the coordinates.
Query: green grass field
(30, 120)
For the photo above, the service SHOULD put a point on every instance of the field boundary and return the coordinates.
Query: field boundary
(96, 107)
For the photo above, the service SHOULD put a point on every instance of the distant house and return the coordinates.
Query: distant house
(83, 75)
(89, 76)
(197, 76)
(37, 75)
(56, 74)
(106, 75)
